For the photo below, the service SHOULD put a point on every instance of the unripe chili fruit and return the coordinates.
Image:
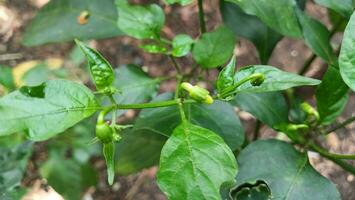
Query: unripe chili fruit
(104, 133)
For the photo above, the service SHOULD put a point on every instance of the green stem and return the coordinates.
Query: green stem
(241, 82)
(341, 125)
(149, 105)
(327, 154)
(114, 115)
(346, 166)
(201, 16)
(175, 64)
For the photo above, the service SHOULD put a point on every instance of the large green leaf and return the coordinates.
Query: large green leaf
(343, 7)
(250, 27)
(280, 15)
(332, 96)
(270, 108)
(6, 77)
(195, 163)
(317, 37)
(67, 176)
(57, 22)
(214, 49)
(134, 85)
(347, 55)
(131, 157)
(141, 22)
(13, 162)
(275, 79)
(286, 171)
(218, 117)
(46, 110)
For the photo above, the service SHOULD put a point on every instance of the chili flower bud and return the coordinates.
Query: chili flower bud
(197, 93)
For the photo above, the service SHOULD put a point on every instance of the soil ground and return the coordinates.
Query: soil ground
(289, 55)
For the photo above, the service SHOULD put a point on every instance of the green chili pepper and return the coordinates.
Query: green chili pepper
(197, 93)
(109, 152)
(101, 70)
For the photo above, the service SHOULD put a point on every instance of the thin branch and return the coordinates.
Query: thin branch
(201, 16)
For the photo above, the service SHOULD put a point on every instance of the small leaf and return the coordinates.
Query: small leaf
(214, 49)
(286, 171)
(6, 77)
(182, 45)
(278, 15)
(275, 79)
(332, 96)
(57, 22)
(343, 7)
(181, 2)
(317, 37)
(194, 164)
(270, 108)
(226, 76)
(250, 27)
(347, 55)
(63, 101)
(154, 48)
(100, 69)
(141, 22)
(109, 151)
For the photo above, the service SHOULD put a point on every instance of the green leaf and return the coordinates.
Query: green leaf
(154, 48)
(6, 77)
(182, 45)
(347, 55)
(37, 110)
(278, 15)
(134, 84)
(317, 37)
(275, 79)
(226, 76)
(181, 2)
(195, 162)
(131, 157)
(286, 171)
(343, 7)
(214, 49)
(100, 69)
(13, 163)
(141, 22)
(270, 108)
(332, 96)
(58, 21)
(67, 176)
(218, 117)
(251, 28)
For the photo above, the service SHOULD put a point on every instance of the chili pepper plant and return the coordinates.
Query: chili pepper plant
(193, 133)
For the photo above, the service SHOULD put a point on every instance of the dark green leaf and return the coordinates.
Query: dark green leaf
(332, 96)
(258, 191)
(134, 84)
(58, 21)
(347, 55)
(68, 177)
(182, 45)
(13, 163)
(275, 79)
(270, 108)
(317, 37)
(226, 76)
(250, 27)
(181, 2)
(218, 117)
(37, 110)
(286, 171)
(214, 49)
(131, 157)
(6, 77)
(278, 15)
(343, 7)
(195, 162)
(141, 22)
